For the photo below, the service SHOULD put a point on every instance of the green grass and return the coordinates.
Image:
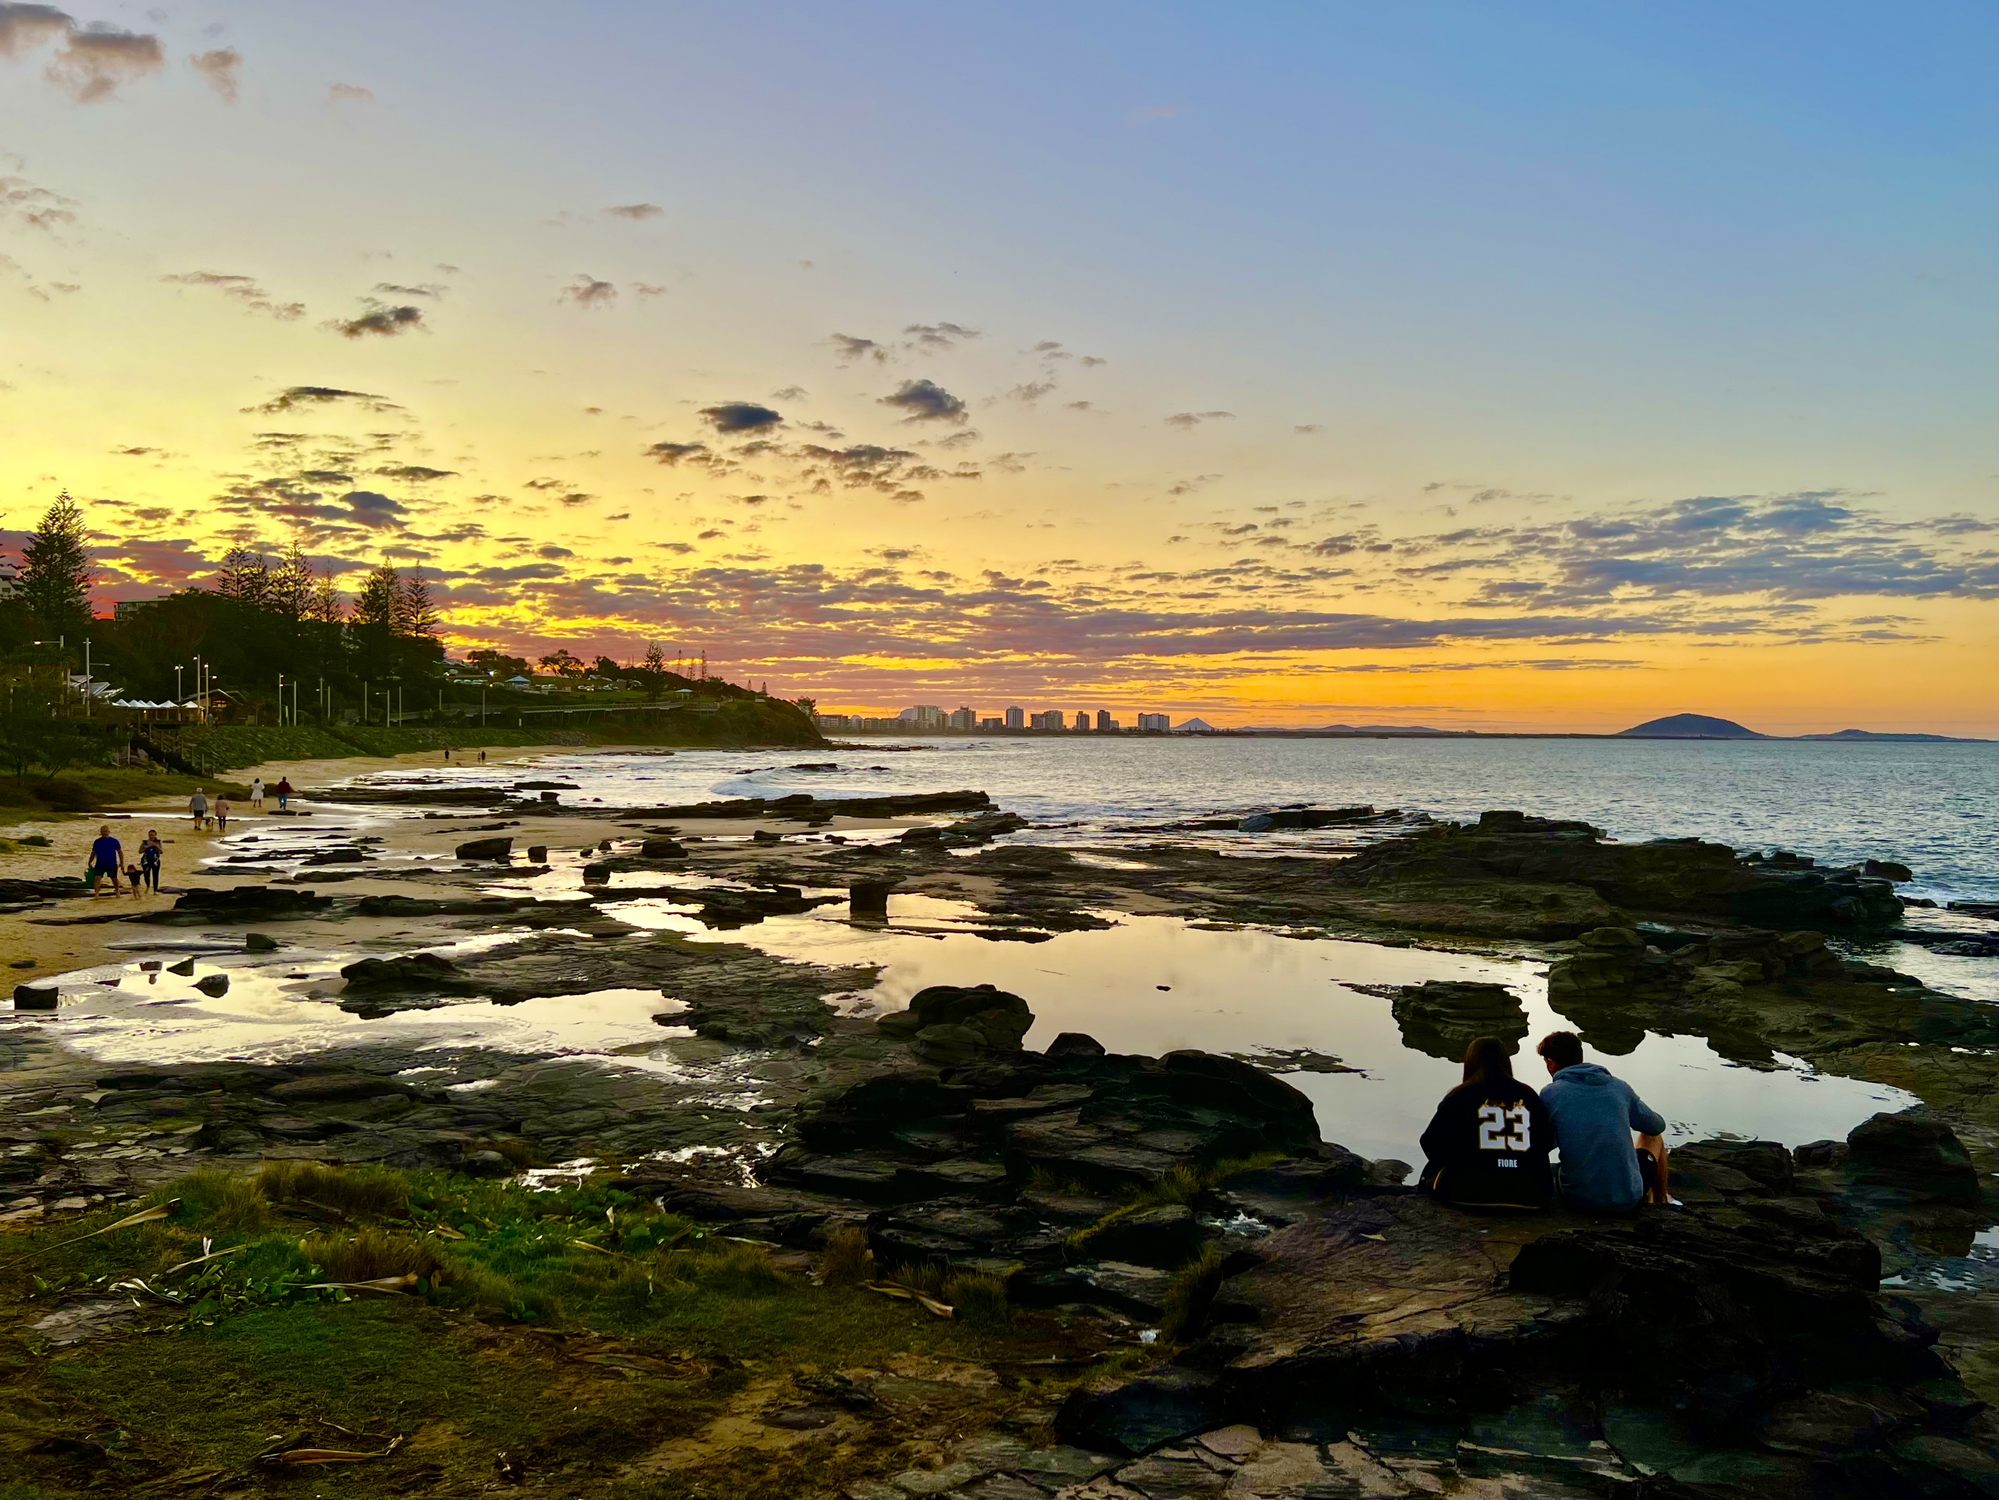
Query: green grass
(96, 788)
(572, 1330)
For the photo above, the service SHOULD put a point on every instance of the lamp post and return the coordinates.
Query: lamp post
(177, 696)
(281, 700)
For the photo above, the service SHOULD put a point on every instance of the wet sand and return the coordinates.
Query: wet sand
(50, 940)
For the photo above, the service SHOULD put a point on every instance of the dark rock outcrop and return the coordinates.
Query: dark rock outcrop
(260, 901)
(1442, 1017)
(492, 848)
(1665, 876)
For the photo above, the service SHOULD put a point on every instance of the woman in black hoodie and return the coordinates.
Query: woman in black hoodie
(1487, 1145)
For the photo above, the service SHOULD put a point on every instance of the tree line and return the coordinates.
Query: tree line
(263, 617)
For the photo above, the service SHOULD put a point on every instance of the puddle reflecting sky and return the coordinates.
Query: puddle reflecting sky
(1255, 990)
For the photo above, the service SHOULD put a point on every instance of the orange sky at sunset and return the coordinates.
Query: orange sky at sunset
(903, 358)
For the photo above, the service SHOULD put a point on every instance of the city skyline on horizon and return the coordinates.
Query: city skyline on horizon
(1288, 366)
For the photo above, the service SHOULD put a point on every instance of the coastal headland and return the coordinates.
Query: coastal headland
(439, 1138)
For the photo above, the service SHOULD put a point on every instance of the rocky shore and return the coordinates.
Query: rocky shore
(1263, 1312)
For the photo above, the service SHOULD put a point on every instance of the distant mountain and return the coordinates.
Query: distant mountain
(1870, 734)
(1690, 727)
(1194, 726)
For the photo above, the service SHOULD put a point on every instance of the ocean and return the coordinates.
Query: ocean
(1934, 807)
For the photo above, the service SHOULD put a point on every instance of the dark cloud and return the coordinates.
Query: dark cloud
(294, 397)
(635, 210)
(428, 289)
(925, 401)
(25, 27)
(245, 290)
(25, 203)
(731, 417)
(381, 319)
(415, 473)
(848, 348)
(95, 61)
(588, 291)
(1030, 392)
(1186, 421)
(935, 337)
(672, 454)
(220, 69)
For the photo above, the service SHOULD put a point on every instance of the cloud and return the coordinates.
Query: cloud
(37, 207)
(371, 509)
(1187, 421)
(415, 473)
(935, 337)
(673, 454)
(93, 60)
(349, 93)
(243, 289)
(925, 401)
(219, 68)
(23, 27)
(380, 319)
(1306, 429)
(635, 210)
(294, 397)
(428, 289)
(588, 291)
(97, 60)
(1030, 392)
(849, 347)
(731, 417)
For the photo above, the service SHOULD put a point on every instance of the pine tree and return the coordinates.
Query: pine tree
(245, 578)
(375, 605)
(654, 673)
(288, 588)
(327, 606)
(56, 575)
(416, 614)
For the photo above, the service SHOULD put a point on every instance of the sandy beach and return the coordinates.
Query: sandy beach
(36, 943)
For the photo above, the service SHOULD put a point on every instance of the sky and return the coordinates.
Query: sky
(1536, 367)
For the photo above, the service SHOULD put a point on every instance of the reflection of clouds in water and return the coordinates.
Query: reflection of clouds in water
(1252, 990)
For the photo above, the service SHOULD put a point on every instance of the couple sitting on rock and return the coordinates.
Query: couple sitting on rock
(1487, 1145)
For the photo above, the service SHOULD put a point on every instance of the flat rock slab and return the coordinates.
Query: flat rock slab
(1376, 1281)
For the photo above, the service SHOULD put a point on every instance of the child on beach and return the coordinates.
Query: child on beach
(256, 794)
(221, 813)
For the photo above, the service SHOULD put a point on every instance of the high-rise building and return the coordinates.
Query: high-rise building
(964, 719)
(1016, 717)
(1048, 720)
(1105, 723)
(1154, 723)
(1082, 721)
(992, 725)
(923, 716)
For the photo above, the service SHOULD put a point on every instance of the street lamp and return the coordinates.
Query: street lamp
(281, 700)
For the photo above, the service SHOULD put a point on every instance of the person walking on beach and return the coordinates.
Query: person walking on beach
(1595, 1114)
(1487, 1146)
(221, 813)
(284, 791)
(151, 853)
(197, 807)
(256, 794)
(107, 858)
(482, 757)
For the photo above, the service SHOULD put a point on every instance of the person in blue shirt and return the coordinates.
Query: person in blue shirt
(1595, 1114)
(107, 857)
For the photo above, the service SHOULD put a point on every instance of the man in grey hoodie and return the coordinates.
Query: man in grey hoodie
(1595, 1114)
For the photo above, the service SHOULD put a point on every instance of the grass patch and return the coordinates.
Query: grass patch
(1190, 1294)
(846, 1259)
(1184, 1185)
(576, 1331)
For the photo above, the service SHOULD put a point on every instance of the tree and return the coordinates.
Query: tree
(56, 576)
(563, 664)
(245, 578)
(289, 586)
(375, 605)
(415, 613)
(653, 673)
(498, 663)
